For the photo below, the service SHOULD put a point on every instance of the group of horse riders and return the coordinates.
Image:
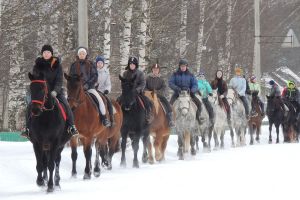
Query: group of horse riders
(96, 78)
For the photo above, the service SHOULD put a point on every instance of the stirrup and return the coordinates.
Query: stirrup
(73, 131)
(106, 122)
(25, 133)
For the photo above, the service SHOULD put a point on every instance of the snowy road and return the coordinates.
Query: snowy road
(261, 171)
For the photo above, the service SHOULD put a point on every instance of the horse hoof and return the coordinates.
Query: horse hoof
(151, 162)
(50, 189)
(145, 159)
(40, 182)
(136, 165)
(74, 174)
(193, 152)
(270, 141)
(251, 143)
(97, 173)
(181, 158)
(86, 176)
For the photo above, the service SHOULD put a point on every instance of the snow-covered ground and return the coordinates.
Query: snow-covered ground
(262, 171)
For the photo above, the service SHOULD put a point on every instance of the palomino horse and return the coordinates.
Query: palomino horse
(89, 126)
(159, 129)
(255, 120)
(186, 125)
(135, 122)
(220, 121)
(275, 115)
(239, 120)
(47, 131)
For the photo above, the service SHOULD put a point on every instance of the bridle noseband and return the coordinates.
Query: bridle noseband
(42, 102)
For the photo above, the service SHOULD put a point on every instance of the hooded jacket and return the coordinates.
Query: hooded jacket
(103, 82)
(183, 81)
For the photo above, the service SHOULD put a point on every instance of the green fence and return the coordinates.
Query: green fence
(12, 137)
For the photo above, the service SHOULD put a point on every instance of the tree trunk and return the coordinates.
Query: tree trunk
(200, 35)
(183, 22)
(126, 36)
(143, 34)
(107, 21)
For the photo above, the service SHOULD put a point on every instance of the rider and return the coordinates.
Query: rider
(51, 68)
(254, 87)
(205, 90)
(132, 70)
(183, 79)
(222, 89)
(85, 67)
(291, 93)
(275, 92)
(104, 84)
(238, 83)
(154, 82)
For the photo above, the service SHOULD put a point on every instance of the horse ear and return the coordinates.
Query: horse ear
(67, 77)
(30, 76)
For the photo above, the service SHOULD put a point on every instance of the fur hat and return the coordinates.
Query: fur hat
(132, 60)
(81, 49)
(183, 62)
(47, 47)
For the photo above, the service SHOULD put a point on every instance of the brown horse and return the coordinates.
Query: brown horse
(88, 124)
(159, 129)
(255, 120)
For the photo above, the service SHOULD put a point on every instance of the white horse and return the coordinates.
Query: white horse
(185, 123)
(220, 121)
(239, 120)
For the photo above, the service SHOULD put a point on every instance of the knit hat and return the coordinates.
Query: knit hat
(252, 77)
(132, 60)
(271, 82)
(100, 58)
(47, 47)
(201, 73)
(291, 84)
(183, 62)
(81, 49)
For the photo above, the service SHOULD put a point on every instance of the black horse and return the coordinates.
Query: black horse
(134, 122)
(47, 131)
(275, 115)
(290, 123)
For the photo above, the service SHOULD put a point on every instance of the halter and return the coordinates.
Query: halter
(42, 103)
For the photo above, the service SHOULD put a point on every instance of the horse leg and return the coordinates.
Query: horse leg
(97, 170)
(251, 131)
(163, 147)
(157, 146)
(209, 141)
(88, 156)
(123, 147)
(216, 141)
(135, 147)
(150, 151)
(222, 139)
(197, 142)
(270, 133)
(277, 134)
(39, 164)
(146, 141)
(180, 146)
(57, 163)
(258, 129)
(192, 143)
(74, 155)
(52, 154)
(232, 137)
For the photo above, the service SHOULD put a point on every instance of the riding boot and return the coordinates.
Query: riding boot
(170, 119)
(105, 121)
(25, 133)
(110, 111)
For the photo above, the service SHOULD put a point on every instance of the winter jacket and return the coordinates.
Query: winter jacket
(220, 85)
(156, 83)
(275, 91)
(291, 94)
(139, 82)
(103, 82)
(238, 83)
(254, 87)
(88, 70)
(183, 81)
(204, 88)
(52, 71)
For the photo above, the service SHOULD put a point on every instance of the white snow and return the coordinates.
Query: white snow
(262, 171)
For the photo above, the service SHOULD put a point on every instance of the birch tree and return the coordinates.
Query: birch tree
(182, 35)
(202, 5)
(143, 33)
(126, 36)
(107, 22)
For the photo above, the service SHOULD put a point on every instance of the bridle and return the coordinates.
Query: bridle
(76, 100)
(42, 102)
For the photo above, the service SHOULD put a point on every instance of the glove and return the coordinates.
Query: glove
(106, 92)
(53, 93)
(85, 86)
(222, 96)
(210, 94)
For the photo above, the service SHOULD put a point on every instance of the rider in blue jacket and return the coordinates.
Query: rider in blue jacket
(181, 80)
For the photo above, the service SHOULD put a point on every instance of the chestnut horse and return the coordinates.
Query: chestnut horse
(87, 121)
(159, 129)
(255, 120)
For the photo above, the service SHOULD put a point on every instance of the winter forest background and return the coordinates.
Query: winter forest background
(212, 34)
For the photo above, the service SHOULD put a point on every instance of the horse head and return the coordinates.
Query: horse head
(129, 94)
(75, 89)
(183, 103)
(152, 95)
(39, 93)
